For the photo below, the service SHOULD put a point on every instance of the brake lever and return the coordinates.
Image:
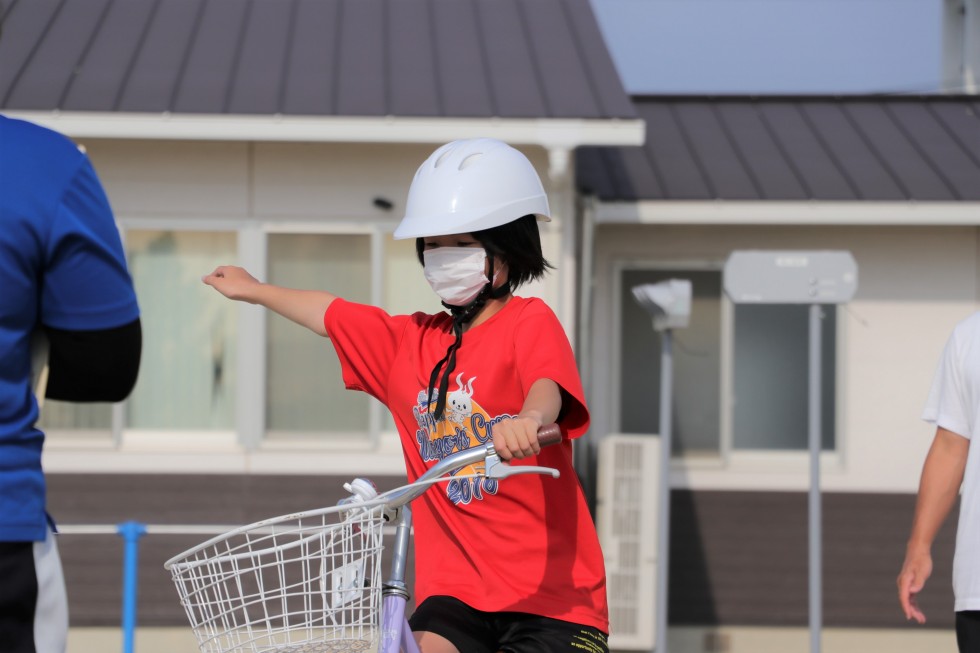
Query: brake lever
(496, 468)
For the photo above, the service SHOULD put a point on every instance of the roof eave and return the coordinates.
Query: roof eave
(781, 212)
(546, 132)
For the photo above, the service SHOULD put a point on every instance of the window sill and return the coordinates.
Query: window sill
(761, 470)
(218, 452)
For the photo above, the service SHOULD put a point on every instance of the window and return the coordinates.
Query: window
(305, 394)
(62, 419)
(306, 397)
(188, 369)
(770, 406)
(405, 289)
(763, 405)
(697, 364)
(192, 337)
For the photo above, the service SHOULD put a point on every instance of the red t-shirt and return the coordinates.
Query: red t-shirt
(528, 543)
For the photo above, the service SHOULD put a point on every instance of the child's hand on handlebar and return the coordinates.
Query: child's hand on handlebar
(516, 437)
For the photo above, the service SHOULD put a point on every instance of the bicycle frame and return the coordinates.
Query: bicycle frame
(395, 631)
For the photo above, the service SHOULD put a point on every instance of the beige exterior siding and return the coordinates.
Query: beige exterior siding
(914, 284)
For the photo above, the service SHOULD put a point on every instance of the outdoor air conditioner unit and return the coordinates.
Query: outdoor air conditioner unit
(626, 514)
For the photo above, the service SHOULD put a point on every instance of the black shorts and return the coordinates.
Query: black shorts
(968, 631)
(473, 631)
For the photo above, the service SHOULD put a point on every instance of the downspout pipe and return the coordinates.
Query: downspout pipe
(586, 458)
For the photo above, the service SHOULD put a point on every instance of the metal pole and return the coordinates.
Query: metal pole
(663, 515)
(814, 512)
(586, 448)
(131, 532)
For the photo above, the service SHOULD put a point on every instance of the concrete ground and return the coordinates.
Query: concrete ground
(797, 640)
(680, 640)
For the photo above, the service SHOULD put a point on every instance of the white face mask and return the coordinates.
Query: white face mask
(456, 274)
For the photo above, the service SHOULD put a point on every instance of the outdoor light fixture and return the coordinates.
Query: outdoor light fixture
(669, 304)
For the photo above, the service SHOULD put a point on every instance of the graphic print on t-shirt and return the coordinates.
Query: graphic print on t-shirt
(465, 424)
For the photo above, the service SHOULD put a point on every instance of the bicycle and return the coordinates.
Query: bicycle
(310, 582)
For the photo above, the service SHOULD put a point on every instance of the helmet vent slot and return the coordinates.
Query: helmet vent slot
(470, 160)
(442, 157)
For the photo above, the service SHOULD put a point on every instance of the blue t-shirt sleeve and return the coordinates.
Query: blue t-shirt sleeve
(86, 284)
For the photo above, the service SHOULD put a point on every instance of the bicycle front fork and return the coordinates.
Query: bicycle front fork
(396, 636)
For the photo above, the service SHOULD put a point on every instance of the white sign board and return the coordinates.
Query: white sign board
(790, 277)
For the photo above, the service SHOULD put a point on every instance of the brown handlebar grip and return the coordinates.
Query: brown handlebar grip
(549, 434)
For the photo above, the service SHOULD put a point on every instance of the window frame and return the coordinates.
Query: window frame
(353, 441)
(728, 456)
(250, 430)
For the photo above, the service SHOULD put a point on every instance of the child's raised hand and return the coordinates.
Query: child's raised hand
(232, 282)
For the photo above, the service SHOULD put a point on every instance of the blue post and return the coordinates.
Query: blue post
(131, 532)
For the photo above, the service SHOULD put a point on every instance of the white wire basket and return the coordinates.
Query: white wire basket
(308, 582)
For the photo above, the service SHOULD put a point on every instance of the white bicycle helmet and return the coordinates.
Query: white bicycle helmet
(471, 185)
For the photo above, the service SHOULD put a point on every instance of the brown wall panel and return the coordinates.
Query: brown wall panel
(737, 558)
(740, 558)
(93, 564)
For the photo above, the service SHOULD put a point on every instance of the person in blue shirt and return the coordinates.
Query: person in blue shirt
(63, 274)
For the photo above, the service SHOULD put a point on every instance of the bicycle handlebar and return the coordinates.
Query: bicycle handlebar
(548, 435)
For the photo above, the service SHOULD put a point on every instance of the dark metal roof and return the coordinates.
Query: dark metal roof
(440, 58)
(797, 148)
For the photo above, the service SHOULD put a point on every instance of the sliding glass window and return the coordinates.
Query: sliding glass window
(765, 349)
(697, 363)
(305, 394)
(188, 371)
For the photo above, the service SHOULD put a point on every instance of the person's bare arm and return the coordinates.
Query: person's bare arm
(304, 307)
(942, 475)
(518, 437)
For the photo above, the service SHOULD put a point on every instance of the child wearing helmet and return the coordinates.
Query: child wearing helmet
(512, 567)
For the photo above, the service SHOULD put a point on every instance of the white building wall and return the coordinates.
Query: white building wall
(915, 283)
(339, 182)
(293, 183)
(256, 188)
(172, 179)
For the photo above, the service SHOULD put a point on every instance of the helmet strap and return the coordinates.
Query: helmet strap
(461, 315)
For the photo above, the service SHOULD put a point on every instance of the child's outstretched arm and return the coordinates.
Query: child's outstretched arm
(304, 307)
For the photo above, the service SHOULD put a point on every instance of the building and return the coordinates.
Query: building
(282, 136)
(896, 182)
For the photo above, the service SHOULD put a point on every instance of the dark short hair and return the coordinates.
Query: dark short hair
(517, 243)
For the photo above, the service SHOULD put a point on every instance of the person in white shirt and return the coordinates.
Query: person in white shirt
(951, 463)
